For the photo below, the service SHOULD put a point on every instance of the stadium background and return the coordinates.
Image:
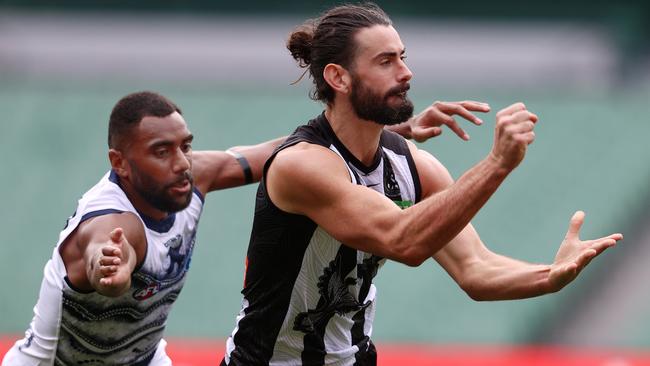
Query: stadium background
(583, 67)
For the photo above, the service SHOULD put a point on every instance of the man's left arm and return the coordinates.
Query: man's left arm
(234, 167)
(485, 275)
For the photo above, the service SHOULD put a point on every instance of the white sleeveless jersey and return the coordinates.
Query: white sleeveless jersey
(71, 327)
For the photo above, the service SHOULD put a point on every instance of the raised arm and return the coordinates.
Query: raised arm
(103, 252)
(234, 167)
(485, 275)
(311, 180)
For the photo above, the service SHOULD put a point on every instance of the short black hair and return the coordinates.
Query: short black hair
(131, 109)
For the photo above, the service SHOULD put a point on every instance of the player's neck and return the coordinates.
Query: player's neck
(360, 137)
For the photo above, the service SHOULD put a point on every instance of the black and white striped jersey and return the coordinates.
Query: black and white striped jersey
(308, 298)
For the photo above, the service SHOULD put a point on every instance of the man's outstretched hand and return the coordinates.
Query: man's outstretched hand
(575, 254)
(114, 267)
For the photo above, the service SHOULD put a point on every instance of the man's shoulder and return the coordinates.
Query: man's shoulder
(312, 132)
(106, 195)
(309, 138)
(306, 160)
(304, 153)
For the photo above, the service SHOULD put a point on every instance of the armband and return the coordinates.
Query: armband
(248, 173)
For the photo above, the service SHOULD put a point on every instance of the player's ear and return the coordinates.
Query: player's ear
(118, 162)
(338, 78)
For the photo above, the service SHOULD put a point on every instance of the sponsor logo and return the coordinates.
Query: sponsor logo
(147, 292)
(404, 204)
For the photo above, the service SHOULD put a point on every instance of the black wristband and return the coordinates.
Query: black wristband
(248, 173)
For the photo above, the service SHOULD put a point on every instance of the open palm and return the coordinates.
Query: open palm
(574, 254)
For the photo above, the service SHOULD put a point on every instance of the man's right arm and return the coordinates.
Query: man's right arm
(103, 252)
(311, 180)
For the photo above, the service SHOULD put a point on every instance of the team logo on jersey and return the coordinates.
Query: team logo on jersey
(335, 297)
(176, 258)
(145, 293)
(391, 187)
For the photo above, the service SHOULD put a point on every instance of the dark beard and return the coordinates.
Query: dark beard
(373, 107)
(156, 195)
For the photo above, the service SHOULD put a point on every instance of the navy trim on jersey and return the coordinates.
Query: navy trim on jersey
(114, 178)
(90, 215)
(199, 194)
(159, 226)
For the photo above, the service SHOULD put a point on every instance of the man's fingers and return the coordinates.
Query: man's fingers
(521, 127)
(450, 122)
(424, 133)
(459, 109)
(108, 270)
(602, 244)
(524, 116)
(511, 109)
(617, 236)
(522, 131)
(527, 137)
(575, 224)
(475, 106)
(116, 235)
(111, 251)
(110, 260)
(585, 257)
(106, 281)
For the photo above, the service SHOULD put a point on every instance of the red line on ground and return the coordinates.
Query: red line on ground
(205, 352)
